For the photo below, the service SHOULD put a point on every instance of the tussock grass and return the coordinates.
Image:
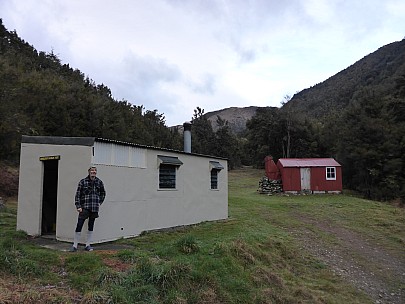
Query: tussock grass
(252, 257)
(188, 244)
(128, 256)
(83, 270)
(107, 276)
(20, 259)
(96, 297)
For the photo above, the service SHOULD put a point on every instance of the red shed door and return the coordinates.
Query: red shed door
(305, 179)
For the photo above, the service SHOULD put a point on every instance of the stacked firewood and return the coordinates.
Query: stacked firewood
(269, 186)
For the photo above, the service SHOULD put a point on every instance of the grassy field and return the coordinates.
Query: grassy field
(272, 249)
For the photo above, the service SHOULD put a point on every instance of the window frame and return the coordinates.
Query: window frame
(167, 166)
(214, 179)
(215, 168)
(330, 173)
(167, 177)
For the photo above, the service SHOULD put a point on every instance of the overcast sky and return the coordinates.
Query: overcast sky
(176, 55)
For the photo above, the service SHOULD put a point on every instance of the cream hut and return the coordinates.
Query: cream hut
(147, 188)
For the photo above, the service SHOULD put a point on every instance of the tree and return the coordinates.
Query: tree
(264, 136)
(226, 144)
(371, 147)
(202, 134)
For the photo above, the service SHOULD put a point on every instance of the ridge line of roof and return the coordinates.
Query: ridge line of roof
(100, 139)
(309, 162)
(89, 141)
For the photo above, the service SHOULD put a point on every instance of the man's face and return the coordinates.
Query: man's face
(92, 172)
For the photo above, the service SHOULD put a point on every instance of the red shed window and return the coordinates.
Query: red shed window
(330, 173)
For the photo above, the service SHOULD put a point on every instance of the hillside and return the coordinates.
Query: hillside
(236, 117)
(382, 72)
(41, 96)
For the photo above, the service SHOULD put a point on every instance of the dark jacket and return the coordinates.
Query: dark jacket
(90, 194)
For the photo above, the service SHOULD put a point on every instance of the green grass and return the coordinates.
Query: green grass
(249, 258)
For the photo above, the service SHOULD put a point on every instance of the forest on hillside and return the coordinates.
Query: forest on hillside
(41, 96)
(356, 116)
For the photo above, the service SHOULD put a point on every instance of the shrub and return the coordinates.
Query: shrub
(8, 181)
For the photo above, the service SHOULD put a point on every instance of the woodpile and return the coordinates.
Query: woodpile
(270, 186)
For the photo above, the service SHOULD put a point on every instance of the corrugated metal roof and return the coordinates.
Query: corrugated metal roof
(58, 140)
(308, 162)
(89, 141)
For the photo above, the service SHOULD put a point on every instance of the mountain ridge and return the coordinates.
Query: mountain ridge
(378, 70)
(384, 67)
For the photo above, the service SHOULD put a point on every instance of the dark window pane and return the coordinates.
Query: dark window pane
(167, 177)
(214, 179)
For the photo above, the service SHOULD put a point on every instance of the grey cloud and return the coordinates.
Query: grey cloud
(206, 86)
(246, 55)
(149, 71)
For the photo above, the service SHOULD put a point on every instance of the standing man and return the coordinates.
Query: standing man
(90, 195)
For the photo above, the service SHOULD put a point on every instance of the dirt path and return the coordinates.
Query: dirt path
(366, 265)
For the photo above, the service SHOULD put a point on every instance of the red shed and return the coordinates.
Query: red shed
(314, 175)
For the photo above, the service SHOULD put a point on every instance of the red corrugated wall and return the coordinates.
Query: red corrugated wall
(291, 178)
(319, 182)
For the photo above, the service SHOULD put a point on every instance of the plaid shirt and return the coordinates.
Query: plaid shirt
(90, 194)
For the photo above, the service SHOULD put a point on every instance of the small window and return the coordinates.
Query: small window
(167, 177)
(215, 167)
(214, 179)
(330, 173)
(167, 171)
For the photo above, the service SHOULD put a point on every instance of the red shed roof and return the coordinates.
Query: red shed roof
(308, 162)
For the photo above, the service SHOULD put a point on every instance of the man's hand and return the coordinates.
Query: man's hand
(79, 210)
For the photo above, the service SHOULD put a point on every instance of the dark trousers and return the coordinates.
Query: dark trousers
(80, 222)
(86, 214)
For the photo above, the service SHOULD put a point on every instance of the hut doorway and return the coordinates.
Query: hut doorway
(49, 196)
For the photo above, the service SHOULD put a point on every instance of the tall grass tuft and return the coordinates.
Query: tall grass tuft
(140, 294)
(127, 256)
(163, 274)
(107, 276)
(188, 244)
(82, 270)
(14, 259)
(150, 280)
(242, 250)
(97, 297)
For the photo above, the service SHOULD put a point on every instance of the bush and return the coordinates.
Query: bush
(8, 181)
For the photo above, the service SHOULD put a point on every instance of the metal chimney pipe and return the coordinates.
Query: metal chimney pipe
(187, 136)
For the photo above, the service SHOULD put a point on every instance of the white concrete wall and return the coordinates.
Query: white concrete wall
(134, 202)
(73, 164)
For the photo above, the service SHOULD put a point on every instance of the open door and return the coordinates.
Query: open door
(49, 196)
